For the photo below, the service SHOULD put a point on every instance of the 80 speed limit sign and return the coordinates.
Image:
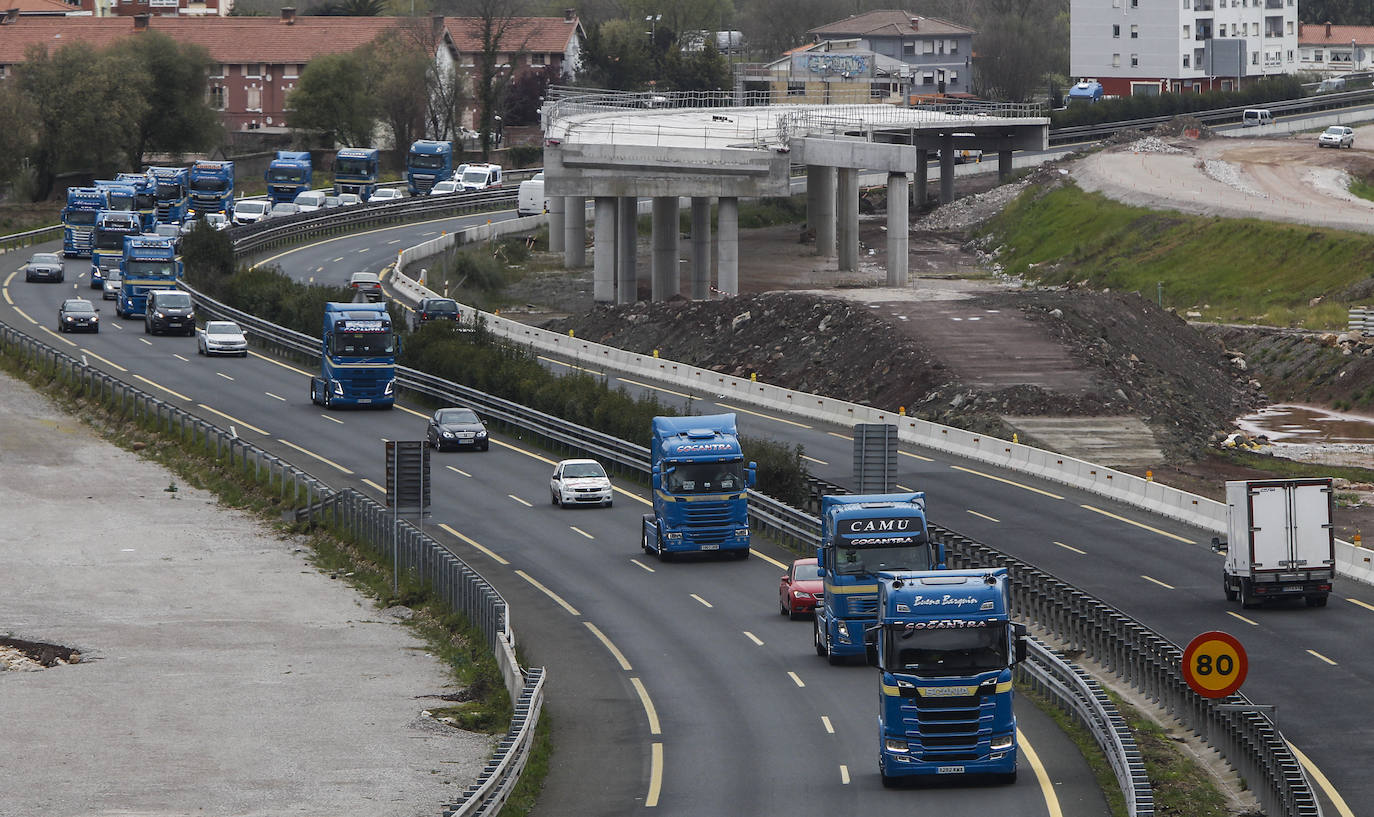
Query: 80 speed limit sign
(1214, 664)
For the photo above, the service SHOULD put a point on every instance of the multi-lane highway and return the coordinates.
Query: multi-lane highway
(678, 686)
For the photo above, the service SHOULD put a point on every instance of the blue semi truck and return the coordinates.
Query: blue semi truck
(288, 175)
(172, 193)
(355, 171)
(700, 488)
(111, 228)
(945, 645)
(145, 197)
(357, 357)
(862, 536)
(148, 262)
(428, 163)
(212, 188)
(78, 220)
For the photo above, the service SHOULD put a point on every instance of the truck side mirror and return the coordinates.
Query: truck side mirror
(871, 635)
(656, 477)
(1218, 546)
(751, 474)
(1019, 631)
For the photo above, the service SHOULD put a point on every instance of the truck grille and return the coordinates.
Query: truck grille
(366, 386)
(948, 729)
(863, 604)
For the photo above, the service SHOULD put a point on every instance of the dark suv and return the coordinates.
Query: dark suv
(435, 309)
(169, 310)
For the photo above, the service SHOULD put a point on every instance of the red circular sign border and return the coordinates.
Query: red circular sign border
(1242, 659)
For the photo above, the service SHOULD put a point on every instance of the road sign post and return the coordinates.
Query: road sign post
(1215, 664)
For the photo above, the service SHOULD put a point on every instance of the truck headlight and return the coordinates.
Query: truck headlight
(390, 387)
(895, 745)
(338, 388)
(843, 629)
(742, 532)
(673, 534)
(1001, 743)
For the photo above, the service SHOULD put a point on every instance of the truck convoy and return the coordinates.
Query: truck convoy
(700, 488)
(355, 171)
(78, 220)
(145, 197)
(427, 163)
(288, 175)
(1281, 541)
(945, 646)
(358, 357)
(212, 188)
(148, 262)
(111, 228)
(171, 193)
(861, 536)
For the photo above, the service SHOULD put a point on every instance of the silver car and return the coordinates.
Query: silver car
(110, 286)
(222, 338)
(1337, 136)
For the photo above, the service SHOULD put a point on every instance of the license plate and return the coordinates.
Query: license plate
(465, 436)
(364, 399)
(1292, 589)
(710, 547)
(950, 770)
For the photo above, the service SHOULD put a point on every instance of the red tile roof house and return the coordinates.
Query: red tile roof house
(261, 58)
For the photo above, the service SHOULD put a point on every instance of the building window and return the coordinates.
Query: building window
(1135, 60)
(1254, 58)
(218, 97)
(1116, 60)
(928, 47)
(953, 77)
(1187, 4)
(928, 78)
(1116, 31)
(1221, 29)
(254, 99)
(252, 70)
(1290, 26)
(1135, 4)
(1317, 56)
(539, 59)
(1135, 32)
(954, 46)
(290, 71)
(1187, 32)
(796, 89)
(219, 71)
(1290, 55)
(1185, 61)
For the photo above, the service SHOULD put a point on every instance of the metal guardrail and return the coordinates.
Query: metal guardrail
(38, 236)
(1361, 320)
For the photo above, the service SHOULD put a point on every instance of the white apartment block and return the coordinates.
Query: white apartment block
(1152, 46)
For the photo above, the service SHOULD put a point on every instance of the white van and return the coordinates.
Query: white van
(247, 211)
(480, 177)
(531, 201)
(1256, 116)
(310, 200)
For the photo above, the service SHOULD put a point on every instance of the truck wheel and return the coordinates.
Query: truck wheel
(1317, 600)
(816, 637)
(1231, 594)
(314, 398)
(741, 555)
(835, 660)
(1008, 778)
(644, 539)
(889, 782)
(1247, 595)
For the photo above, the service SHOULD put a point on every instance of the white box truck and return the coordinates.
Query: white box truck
(1281, 542)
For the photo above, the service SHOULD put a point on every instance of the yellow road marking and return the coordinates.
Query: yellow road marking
(1071, 547)
(571, 366)
(985, 516)
(648, 706)
(1332, 795)
(310, 453)
(58, 336)
(655, 388)
(25, 316)
(1158, 582)
(829, 727)
(332, 419)
(774, 418)
(576, 529)
(546, 591)
(288, 367)
(109, 363)
(632, 495)
(1243, 618)
(813, 459)
(655, 776)
(491, 554)
(841, 436)
(757, 641)
(642, 565)
(164, 388)
(616, 653)
(1046, 785)
(1006, 481)
(915, 456)
(1321, 657)
(379, 488)
(902, 487)
(769, 559)
(350, 235)
(412, 411)
(844, 775)
(521, 501)
(704, 602)
(232, 419)
(796, 679)
(1362, 604)
(529, 454)
(1182, 539)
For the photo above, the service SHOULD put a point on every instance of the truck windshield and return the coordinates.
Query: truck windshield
(948, 651)
(107, 238)
(363, 344)
(145, 201)
(209, 185)
(426, 161)
(353, 167)
(705, 477)
(169, 191)
(79, 218)
(851, 560)
(150, 269)
(285, 174)
(119, 201)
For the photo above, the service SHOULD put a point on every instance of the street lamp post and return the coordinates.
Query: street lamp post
(652, 20)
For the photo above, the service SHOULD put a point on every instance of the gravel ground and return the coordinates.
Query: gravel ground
(218, 672)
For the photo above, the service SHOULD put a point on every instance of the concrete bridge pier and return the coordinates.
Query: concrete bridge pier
(727, 245)
(847, 208)
(946, 168)
(701, 248)
(666, 281)
(898, 229)
(603, 251)
(820, 207)
(556, 205)
(627, 290)
(574, 232)
(1003, 165)
(918, 190)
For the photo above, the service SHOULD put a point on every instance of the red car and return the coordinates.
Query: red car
(799, 589)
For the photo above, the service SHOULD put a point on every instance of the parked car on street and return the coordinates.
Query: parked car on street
(222, 338)
(580, 482)
(1337, 136)
(77, 315)
(457, 428)
(44, 266)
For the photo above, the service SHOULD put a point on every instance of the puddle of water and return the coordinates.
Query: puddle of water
(1305, 424)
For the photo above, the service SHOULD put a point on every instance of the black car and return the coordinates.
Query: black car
(457, 428)
(436, 309)
(77, 315)
(44, 266)
(169, 310)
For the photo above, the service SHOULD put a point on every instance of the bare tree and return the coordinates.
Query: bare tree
(501, 36)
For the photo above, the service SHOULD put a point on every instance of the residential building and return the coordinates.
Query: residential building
(939, 52)
(831, 72)
(1335, 50)
(42, 8)
(1154, 46)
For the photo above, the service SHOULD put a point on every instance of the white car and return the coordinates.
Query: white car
(222, 338)
(346, 199)
(283, 208)
(446, 188)
(580, 482)
(386, 194)
(248, 211)
(311, 200)
(217, 220)
(1337, 136)
(110, 286)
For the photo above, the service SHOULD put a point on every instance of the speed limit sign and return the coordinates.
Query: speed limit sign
(1214, 664)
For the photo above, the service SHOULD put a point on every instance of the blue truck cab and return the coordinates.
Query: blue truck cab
(1087, 91)
(945, 645)
(288, 175)
(148, 262)
(428, 163)
(862, 536)
(111, 228)
(357, 357)
(700, 488)
(118, 195)
(355, 171)
(212, 188)
(78, 220)
(171, 192)
(145, 197)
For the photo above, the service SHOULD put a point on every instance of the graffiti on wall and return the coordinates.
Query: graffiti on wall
(852, 65)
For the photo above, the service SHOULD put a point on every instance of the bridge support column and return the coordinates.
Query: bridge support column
(701, 248)
(603, 251)
(627, 213)
(727, 245)
(898, 228)
(1003, 165)
(820, 207)
(575, 232)
(847, 208)
(556, 205)
(666, 281)
(918, 189)
(946, 169)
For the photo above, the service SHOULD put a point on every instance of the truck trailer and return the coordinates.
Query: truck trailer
(1281, 541)
(700, 488)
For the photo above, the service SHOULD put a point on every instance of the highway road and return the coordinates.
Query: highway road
(1314, 664)
(676, 687)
